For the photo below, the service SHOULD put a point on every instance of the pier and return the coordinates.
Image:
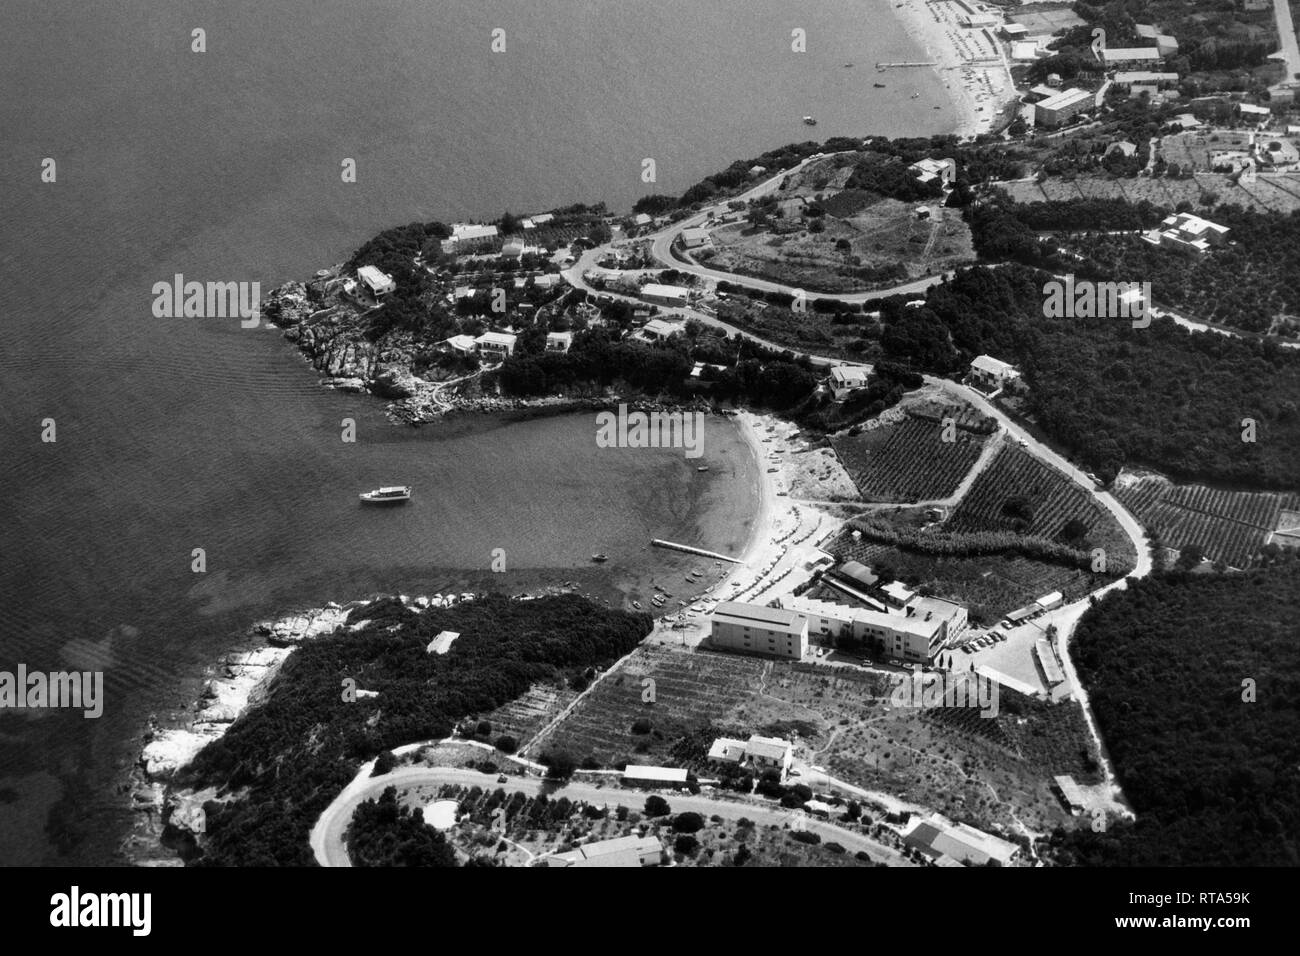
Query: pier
(888, 66)
(674, 546)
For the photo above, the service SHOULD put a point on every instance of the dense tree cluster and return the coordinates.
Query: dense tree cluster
(1194, 682)
(1109, 393)
(296, 751)
(384, 832)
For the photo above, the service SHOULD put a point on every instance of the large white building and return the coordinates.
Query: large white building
(754, 629)
(915, 633)
(938, 837)
(1187, 232)
(621, 851)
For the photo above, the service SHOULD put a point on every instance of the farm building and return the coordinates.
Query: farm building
(754, 629)
(1048, 662)
(673, 295)
(637, 775)
(988, 372)
(938, 836)
(1070, 792)
(621, 851)
(1061, 107)
(1049, 602)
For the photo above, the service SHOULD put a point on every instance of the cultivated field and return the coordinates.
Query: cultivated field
(1228, 526)
(1017, 492)
(526, 715)
(839, 718)
(908, 460)
(1266, 194)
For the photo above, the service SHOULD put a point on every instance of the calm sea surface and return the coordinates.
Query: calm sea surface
(182, 434)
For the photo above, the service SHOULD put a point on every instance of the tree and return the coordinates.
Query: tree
(686, 844)
(688, 822)
(656, 806)
(384, 763)
(560, 764)
(507, 744)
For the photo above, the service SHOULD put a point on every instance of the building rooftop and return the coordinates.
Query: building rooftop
(665, 291)
(773, 748)
(497, 338)
(662, 774)
(987, 363)
(756, 615)
(1065, 98)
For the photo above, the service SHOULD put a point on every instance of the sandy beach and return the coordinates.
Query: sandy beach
(971, 62)
(787, 529)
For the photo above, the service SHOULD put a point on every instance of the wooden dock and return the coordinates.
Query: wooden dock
(674, 546)
(890, 66)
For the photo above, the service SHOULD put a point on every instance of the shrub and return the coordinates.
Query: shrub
(686, 844)
(805, 836)
(507, 744)
(656, 806)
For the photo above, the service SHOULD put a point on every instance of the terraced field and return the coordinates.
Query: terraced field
(691, 691)
(908, 461)
(1229, 526)
(1017, 492)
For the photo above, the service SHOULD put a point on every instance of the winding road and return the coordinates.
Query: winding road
(329, 848)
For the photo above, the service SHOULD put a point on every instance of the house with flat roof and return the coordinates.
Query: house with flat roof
(929, 169)
(620, 851)
(671, 295)
(846, 379)
(497, 346)
(464, 344)
(755, 629)
(659, 330)
(559, 341)
(377, 283)
(513, 249)
(1187, 232)
(988, 372)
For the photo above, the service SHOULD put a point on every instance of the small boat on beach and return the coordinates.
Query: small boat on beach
(702, 468)
(599, 557)
(387, 495)
(879, 86)
(809, 121)
(637, 605)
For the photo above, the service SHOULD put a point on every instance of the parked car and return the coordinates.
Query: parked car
(503, 779)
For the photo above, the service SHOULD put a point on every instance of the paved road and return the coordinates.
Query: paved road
(1286, 33)
(329, 849)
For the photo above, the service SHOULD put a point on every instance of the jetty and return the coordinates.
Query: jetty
(674, 546)
(890, 66)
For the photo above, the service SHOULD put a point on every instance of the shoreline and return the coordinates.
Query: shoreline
(977, 87)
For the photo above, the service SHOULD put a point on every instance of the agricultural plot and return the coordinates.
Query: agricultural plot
(525, 716)
(1017, 492)
(909, 460)
(1228, 526)
(690, 690)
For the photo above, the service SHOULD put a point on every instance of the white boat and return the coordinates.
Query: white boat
(392, 493)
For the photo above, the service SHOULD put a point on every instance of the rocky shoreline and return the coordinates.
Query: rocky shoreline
(330, 339)
(170, 819)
